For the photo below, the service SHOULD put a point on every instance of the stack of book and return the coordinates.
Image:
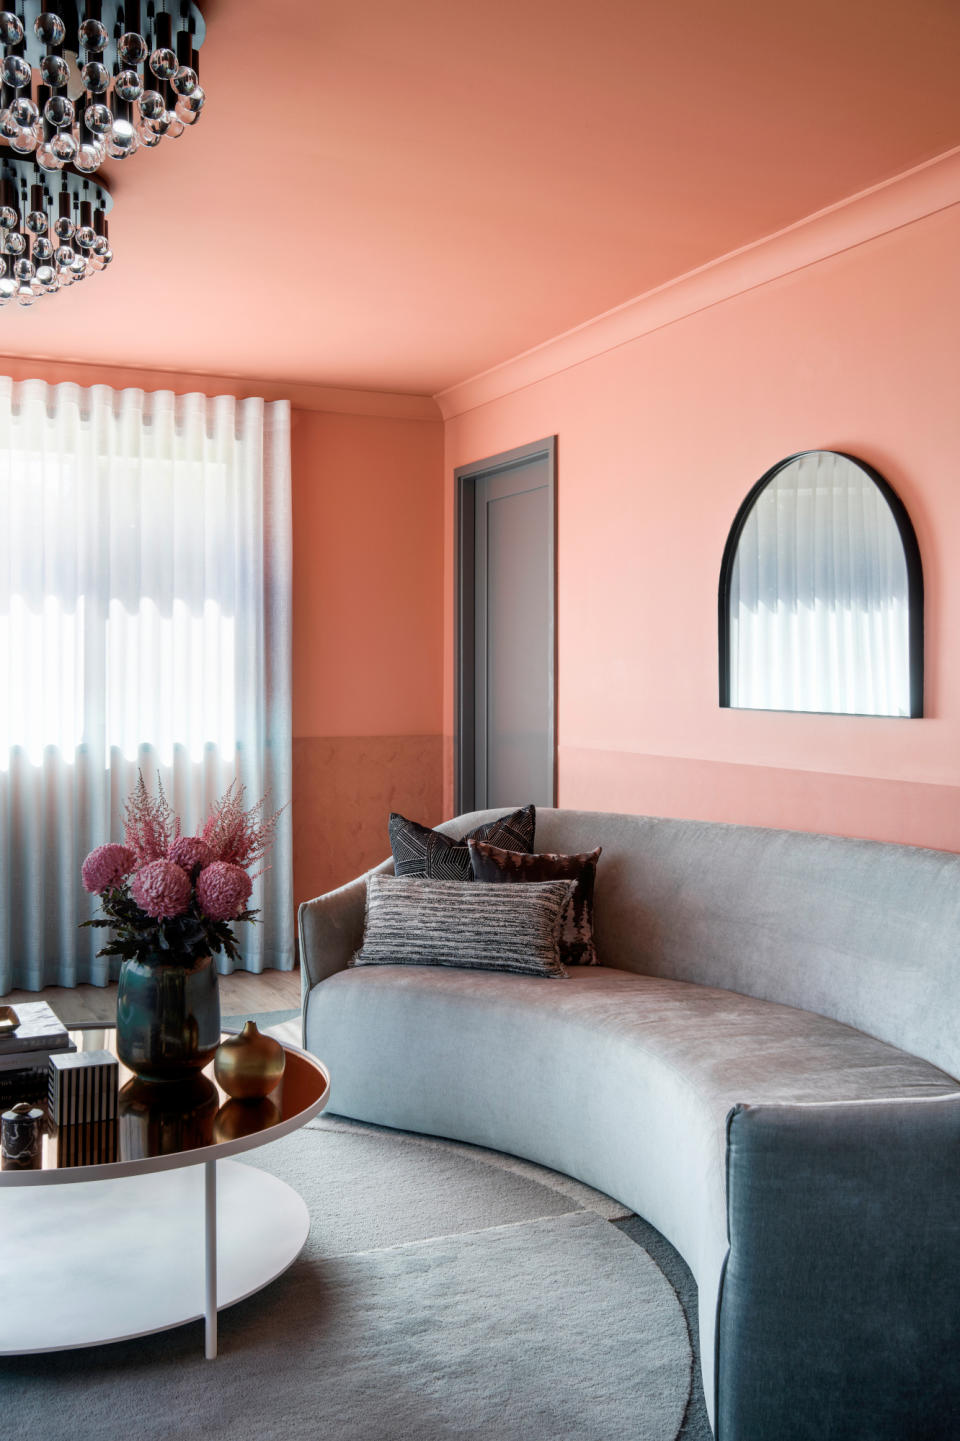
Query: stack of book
(25, 1053)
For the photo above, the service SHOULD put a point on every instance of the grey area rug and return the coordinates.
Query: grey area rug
(444, 1292)
(264, 1019)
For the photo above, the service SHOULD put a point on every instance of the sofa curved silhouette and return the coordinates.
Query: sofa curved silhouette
(764, 1067)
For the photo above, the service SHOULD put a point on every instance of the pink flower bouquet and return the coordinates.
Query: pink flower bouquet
(162, 891)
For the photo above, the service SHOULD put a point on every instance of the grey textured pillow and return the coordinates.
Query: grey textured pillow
(412, 921)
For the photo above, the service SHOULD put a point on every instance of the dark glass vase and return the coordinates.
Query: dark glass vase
(168, 1016)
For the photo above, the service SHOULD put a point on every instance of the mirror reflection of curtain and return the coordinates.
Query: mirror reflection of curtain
(819, 596)
(144, 623)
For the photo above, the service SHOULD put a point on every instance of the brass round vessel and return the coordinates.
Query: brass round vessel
(249, 1066)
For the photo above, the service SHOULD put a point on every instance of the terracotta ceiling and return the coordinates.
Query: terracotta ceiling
(398, 194)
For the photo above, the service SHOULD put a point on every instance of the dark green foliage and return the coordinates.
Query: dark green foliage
(138, 936)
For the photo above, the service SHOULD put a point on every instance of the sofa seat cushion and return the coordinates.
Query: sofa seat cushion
(613, 1076)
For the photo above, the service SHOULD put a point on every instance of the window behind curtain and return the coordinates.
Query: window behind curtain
(144, 623)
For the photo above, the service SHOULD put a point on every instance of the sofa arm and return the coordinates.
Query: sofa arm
(331, 929)
(839, 1311)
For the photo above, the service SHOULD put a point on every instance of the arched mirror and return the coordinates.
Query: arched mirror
(821, 594)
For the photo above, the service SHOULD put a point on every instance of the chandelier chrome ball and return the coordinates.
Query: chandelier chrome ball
(95, 77)
(53, 230)
(93, 36)
(49, 29)
(86, 79)
(24, 112)
(151, 105)
(58, 111)
(132, 49)
(11, 28)
(16, 72)
(128, 86)
(54, 71)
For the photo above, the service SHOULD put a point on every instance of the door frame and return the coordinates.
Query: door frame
(465, 479)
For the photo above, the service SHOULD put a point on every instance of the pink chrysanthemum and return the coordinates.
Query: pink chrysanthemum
(161, 889)
(223, 890)
(105, 867)
(191, 854)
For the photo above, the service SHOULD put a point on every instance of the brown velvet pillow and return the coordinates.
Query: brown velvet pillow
(491, 863)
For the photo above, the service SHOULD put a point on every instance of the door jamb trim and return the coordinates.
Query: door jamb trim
(465, 478)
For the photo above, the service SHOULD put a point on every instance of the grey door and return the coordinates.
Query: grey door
(507, 730)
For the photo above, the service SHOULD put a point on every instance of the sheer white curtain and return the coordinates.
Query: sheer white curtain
(144, 624)
(819, 610)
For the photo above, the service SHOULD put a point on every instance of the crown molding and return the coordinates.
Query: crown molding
(302, 396)
(862, 217)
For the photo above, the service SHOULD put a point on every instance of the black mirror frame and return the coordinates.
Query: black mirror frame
(911, 555)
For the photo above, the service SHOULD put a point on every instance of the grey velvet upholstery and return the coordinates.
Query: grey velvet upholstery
(730, 960)
(819, 1203)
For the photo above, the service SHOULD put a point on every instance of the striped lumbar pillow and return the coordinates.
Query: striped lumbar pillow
(411, 921)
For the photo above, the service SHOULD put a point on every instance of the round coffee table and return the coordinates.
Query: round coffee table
(158, 1228)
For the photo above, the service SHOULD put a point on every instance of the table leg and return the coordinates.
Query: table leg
(210, 1257)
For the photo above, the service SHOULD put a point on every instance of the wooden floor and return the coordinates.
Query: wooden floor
(239, 993)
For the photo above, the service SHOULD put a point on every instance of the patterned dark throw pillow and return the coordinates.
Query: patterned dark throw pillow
(576, 945)
(419, 851)
(416, 922)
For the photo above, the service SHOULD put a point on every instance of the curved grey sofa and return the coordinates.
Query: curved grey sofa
(764, 1068)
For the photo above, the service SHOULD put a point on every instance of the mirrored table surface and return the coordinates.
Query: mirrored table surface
(162, 1125)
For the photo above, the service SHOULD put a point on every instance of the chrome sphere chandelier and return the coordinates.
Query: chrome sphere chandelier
(82, 82)
(88, 80)
(53, 230)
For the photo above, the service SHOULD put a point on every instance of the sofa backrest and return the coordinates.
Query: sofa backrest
(864, 932)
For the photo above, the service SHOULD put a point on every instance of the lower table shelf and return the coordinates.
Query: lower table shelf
(90, 1262)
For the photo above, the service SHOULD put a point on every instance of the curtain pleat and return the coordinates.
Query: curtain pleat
(145, 572)
(819, 596)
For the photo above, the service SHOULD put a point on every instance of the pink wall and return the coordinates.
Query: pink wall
(660, 437)
(367, 637)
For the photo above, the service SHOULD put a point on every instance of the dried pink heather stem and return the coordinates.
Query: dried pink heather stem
(239, 836)
(149, 823)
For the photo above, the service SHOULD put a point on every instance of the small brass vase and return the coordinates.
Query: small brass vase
(249, 1066)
